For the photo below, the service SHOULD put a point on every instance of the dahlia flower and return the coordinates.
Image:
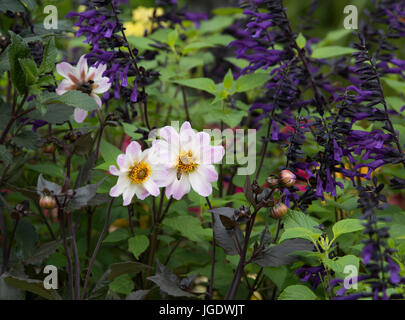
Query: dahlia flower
(189, 158)
(85, 79)
(139, 173)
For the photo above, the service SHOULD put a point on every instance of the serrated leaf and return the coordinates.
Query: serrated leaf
(49, 58)
(122, 284)
(297, 292)
(26, 139)
(282, 254)
(189, 227)
(75, 99)
(5, 155)
(300, 232)
(34, 286)
(30, 70)
(43, 252)
(138, 244)
(204, 84)
(18, 49)
(346, 226)
(250, 81)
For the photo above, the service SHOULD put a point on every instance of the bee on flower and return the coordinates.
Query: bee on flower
(189, 158)
(84, 79)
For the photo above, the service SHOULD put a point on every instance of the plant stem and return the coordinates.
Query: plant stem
(76, 256)
(96, 249)
(183, 91)
(67, 252)
(4, 239)
(213, 245)
(10, 244)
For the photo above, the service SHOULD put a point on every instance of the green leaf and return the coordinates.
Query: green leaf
(189, 227)
(131, 267)
(122, 284)
(43, 252)
(26, 237)
(50, 54)
(130, 130)
(395, 103)
(301, 41)
(331, 51)
(5, 155)
(338, 265)
(13, 6)
(117, 235)
(172, 38)
(294, 219)
(109, 153)
(76, 99)
(250, 81)
(228, 80)
(300, 232)
(26, 139)
(346, 226)
(4, 61)
(398, 86)
(138, 244)
(215, 24)
(204, 84)
(30, 69)
(334, 36)
(18, 49)
(297, 292)
(34, 286)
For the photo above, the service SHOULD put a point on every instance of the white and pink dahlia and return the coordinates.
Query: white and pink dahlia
(85, 79)
(189, 157)
(139, 174)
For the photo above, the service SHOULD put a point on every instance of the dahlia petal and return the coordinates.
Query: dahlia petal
(114, 171)
(133, 150)
(82, 68)
(212, 154)
(64, 86)
(79, 115)
(178, 188)
(128, 195)
(97, 99)
(151, 187)
(200, 184)
(64, 69)
(103, 85)
(141, 192)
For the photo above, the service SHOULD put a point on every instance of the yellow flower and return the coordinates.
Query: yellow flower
(142, 20)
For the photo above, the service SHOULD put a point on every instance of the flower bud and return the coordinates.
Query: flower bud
(272, 181)
(47, 202)
(287, 178)
(49, 148)
(278, 211)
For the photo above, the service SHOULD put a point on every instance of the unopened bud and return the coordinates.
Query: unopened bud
(278, 211)
(49, 148)
(287, 178)
(272, 182)
(47, 202)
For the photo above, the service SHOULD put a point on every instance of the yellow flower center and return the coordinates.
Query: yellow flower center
(186, 163)
(139, 173)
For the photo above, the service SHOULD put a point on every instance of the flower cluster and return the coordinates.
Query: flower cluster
(177, 161)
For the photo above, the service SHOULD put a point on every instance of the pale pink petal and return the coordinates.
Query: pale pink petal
(152, 188)
(134, 151)
(169, 134)
(98, 72)
(64, 69)
(141, 192)
(122, 161)
(203, 138)
(114, 171)
(178, 188)
(212, 154)
(128, 195)
(208, 172)
(200, 184)
(82, 68)
(79, 115)
(185, 126)
(122, 184)
(97, 99)
(64, 86)
(103, 85)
